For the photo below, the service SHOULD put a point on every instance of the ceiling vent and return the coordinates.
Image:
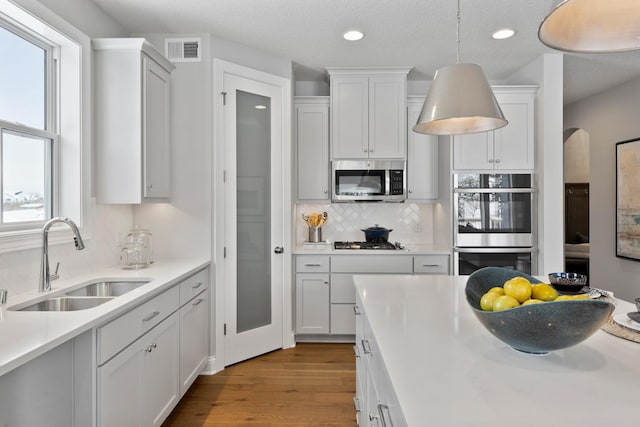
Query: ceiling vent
(183, 50)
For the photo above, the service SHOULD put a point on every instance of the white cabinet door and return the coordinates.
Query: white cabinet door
(160, 371)
(509, 148)
(422, 159)
(120, 389)
(349, 117)
(193, 339)
(312, 303)
(387, 117)
(514, 144)
(133, 118)
(368, 113)
(156, 108)
(312, 143)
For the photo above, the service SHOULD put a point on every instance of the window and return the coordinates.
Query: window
(27, 133)
(45, 155)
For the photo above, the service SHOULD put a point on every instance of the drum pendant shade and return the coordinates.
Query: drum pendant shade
(592, 26)
(460, 101)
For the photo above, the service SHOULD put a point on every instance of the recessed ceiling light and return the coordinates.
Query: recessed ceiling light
(353, 35)
(505, 33)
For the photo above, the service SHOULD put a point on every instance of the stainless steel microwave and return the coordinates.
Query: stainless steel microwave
(368, 181)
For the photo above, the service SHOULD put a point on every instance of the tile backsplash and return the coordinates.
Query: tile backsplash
(410, 222)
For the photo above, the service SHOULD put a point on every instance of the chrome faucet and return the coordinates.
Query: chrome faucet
(45, 274)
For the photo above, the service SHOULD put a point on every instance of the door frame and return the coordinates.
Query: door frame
(217, 341)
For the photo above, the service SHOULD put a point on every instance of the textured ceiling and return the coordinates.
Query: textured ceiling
(417, 33)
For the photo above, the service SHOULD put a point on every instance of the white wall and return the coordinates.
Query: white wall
(608, 117)
(19, 269)
(576, 157)
(547, 72)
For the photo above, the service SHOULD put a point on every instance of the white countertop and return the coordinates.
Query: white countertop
(409, 249)
(28, 334)
(448, 370)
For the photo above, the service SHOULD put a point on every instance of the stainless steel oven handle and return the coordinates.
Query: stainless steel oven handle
(495, 250)
(494, 190)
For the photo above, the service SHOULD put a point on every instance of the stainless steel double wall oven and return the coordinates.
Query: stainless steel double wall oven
(495, 222)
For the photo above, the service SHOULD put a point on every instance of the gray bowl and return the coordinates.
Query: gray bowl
(536, 328)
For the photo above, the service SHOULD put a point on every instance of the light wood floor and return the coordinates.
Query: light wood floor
(309, 385)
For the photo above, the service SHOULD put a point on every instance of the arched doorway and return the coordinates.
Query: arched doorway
(576, 200)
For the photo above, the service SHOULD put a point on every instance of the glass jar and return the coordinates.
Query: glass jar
(137, 251)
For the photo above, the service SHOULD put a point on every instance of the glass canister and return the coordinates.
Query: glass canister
(137, 251)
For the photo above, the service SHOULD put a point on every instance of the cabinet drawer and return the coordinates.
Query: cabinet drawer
(312, 264)
(193, 285)
(116, 335)
(342, 289)
(431, 264)
(364, 264)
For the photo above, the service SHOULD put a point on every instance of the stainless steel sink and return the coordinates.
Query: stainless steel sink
(66, 303)
(107, 288)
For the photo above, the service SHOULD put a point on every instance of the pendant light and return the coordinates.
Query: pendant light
(592, 26)
(460, 100)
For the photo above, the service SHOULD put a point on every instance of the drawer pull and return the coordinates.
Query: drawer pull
(385, 417)
(431, 265)
(313, 265)
(198, 301)
(356, 310)
(356, 350)
(196, 286)
(150, 316)
(356, 403)
(366, 347)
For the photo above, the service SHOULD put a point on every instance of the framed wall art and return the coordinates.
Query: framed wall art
(628, 199)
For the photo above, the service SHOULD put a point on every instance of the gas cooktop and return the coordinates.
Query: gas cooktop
(365, 245)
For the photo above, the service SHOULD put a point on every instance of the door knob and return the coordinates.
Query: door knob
(278, 250)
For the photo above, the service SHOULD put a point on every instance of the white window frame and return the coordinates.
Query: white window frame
(72, 156)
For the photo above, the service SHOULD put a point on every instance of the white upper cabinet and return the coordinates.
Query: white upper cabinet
(132, 122)
(509, 148)
(312, 147)
(422, 159)
(368, 113)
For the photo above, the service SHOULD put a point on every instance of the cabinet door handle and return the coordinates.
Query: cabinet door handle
(356, 403)
(199, 300)
(196, 286)
(365, 150)
(431, 265)
(325, 191)
(491, 160)
(497, 160)
(385, 417)
(356, 310)
(150, 186)
(356, 350)
(366, 347)
(278, 250)
(150, 316)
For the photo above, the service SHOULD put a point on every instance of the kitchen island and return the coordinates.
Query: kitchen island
(441, 367)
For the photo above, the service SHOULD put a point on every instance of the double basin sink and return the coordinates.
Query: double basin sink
(87, 296)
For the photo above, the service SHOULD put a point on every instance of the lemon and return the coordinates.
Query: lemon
(518, 288)
(581, 296)
(504, 302)
(544, 292)
(497, 289)
(486, 302)
(532, 301)
(564, 298)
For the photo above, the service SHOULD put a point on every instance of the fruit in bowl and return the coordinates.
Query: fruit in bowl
(543, 321)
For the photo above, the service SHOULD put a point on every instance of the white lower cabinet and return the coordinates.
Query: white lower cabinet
(139, 386)
(149, 356)
(312, 303)
(194, 349)
(376, 402)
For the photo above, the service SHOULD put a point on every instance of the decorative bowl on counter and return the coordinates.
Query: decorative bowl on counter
(568, 282)
(536, 328)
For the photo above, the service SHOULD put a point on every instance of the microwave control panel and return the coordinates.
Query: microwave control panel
(397, 182)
